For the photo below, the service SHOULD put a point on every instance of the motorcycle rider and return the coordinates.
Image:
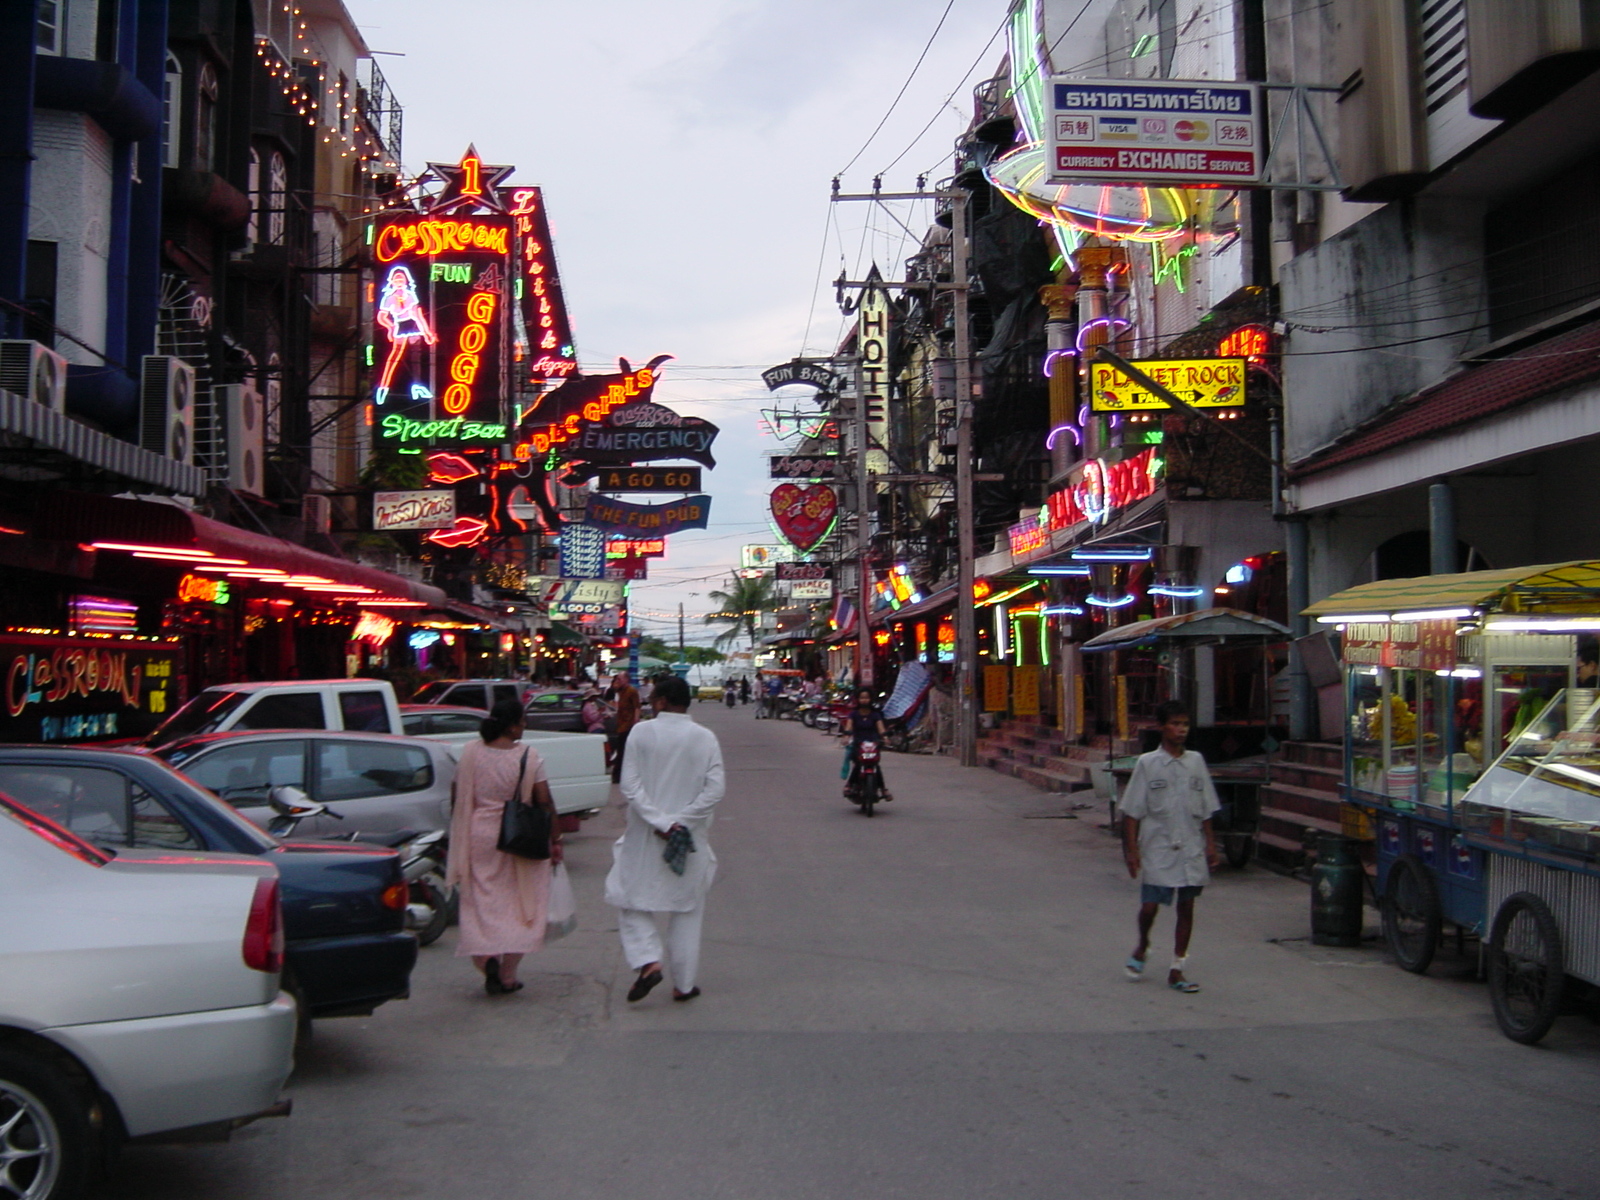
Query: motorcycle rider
(864, 724)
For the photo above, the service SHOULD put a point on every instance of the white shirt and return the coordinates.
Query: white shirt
(1170, 798)
(671, 775)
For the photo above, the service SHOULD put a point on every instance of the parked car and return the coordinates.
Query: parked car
(472, 693)
(138, 998)
(423, 720)
(376, 782)
(344, 906)
(359, 705)
(556, 711)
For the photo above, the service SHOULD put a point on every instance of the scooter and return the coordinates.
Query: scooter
(865, 787)
(422, 859)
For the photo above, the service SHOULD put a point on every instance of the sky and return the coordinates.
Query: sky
(686, 151)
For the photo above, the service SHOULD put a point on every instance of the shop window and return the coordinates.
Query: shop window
(205, 118)
(285, 710)
(242, 773)
(171, 111)
(51, 35)
(350, 770)
(364, 712)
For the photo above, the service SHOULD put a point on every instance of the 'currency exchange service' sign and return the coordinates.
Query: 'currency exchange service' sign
(1167, 131)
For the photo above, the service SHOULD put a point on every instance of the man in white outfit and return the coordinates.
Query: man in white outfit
(672, 779)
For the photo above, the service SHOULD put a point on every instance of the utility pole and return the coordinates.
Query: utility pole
(864, 497)
(966, 616)
(680, 630)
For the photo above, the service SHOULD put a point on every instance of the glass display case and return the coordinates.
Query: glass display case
(1404, 736)
(1545, 787)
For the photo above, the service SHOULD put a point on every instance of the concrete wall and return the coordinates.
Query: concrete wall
(1226, 531)
(71, 206)
(1377, 312)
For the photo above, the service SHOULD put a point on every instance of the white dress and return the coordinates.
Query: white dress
(671, 775)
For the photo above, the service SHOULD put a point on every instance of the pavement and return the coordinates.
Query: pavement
(926, 1004)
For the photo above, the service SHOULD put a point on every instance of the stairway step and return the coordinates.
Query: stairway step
(1311, 801)
(1288, 823)
(1279, 851)
(1321, 754)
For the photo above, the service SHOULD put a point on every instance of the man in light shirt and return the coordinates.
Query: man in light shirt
(1166, 837)
(672, 778)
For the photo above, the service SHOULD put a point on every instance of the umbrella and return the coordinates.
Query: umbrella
(1207, 627)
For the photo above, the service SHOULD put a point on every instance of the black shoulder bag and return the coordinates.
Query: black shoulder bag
(524, 828)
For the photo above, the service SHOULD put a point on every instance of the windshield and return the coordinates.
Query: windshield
(203, 714)
(429, 692)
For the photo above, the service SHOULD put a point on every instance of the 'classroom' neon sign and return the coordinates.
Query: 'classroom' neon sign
(430, 238)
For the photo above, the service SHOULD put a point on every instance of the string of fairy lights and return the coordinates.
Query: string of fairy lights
(362, 145)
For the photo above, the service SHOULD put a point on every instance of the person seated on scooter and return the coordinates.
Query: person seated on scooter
(864, 724)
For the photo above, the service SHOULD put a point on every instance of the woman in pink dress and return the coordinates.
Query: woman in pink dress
(504, 898)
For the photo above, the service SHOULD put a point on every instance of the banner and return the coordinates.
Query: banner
(434, 509)
(658, 520)
(583, 551)
(822, 467)
(764, 556)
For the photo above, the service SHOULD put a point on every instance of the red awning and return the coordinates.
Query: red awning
(89, 519)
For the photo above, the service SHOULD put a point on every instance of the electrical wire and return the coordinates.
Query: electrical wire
(917, 66)
(939, 112)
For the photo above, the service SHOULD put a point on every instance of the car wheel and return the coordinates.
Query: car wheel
(429, 894)
(49, 1149)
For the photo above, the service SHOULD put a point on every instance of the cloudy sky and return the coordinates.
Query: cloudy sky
(686, 151)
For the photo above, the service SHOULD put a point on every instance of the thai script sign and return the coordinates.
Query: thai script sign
(413, 510)
(1171, 131)
(1201, 382)
(822, 467)
(73, 689)
(692, 512)
(1420, 645)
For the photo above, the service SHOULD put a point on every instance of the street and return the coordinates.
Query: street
(928, 1004)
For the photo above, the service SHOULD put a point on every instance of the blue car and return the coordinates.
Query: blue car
(344, 906)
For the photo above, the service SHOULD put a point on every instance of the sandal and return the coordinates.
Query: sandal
(1187, 987)
(680, 997)
(642, 986)
(491, 977)
(1133, 968)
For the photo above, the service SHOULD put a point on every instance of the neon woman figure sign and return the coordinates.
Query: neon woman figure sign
(401, 316)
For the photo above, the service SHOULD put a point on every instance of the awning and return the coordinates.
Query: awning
(1208, 626)
(89, 519)
(57, 442)
(1558, 587)
(943, 598)
(562, 634)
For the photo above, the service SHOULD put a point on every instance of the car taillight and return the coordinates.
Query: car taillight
(396, 896)
(263, 932)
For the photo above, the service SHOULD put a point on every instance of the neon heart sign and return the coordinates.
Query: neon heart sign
(804, 515)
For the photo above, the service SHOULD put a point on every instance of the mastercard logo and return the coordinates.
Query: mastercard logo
(1192, 131)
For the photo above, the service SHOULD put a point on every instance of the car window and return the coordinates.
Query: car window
(571, 703)
(456, 723)
(470, 695)
(285, 710)
(350, 769)
(548, 702)
(506, 691)
(365, 712)
(415, 723)
(200, 715)
(429, 693)
(98, 804)
(243, 772)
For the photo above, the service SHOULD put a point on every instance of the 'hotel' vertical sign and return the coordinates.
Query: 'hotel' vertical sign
(872, 343)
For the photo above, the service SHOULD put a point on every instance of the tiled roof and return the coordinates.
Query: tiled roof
(1469, 396)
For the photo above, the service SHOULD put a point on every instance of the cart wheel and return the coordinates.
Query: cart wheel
(1526, 971)
(1237, 849)
(1411, 915)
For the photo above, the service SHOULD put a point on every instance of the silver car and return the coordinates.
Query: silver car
(139, 996)
(376, 782)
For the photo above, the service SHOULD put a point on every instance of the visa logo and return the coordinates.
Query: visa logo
(1119, 129)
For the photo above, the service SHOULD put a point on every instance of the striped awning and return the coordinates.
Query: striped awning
(1557, 587)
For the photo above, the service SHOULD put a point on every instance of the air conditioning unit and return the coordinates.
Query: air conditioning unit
(166, 395)
(244, 418)
(317, 513)
(34, 372)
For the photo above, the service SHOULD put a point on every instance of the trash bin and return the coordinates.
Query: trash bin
(1338, 892)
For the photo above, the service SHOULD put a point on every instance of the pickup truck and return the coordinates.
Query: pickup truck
(356, 705)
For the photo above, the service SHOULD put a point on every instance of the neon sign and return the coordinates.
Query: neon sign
(450, 468)
(636, 547)
(457, 429)
(546, 343)
(401, 317)
(469, 350)
(561, 416)
(1247, 341)
(429, 238)
(45, 679)
(194, 589)
(374, 628)
(467, 531)
(1102, 488)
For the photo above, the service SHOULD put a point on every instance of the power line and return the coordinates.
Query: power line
(901, 93)
(945, 103)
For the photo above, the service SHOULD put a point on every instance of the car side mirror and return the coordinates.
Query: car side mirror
(294, 802)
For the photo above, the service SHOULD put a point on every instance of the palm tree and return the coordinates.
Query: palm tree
(740, 608)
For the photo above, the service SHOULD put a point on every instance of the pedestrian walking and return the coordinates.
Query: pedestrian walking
(1167, 839)
(627, 716)
(504, 898)
(744, 689)
(662, 863)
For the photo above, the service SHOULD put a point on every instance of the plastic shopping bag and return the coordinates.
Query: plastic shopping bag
(562, 915)
(844, 767)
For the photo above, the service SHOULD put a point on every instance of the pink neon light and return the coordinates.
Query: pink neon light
(1100, 323)
(1077, 438)
(163, 549)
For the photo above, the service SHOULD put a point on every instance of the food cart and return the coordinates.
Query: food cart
(1238, 784)
(1472, 744)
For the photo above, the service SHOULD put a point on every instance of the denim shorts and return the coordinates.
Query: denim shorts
(1150, 893)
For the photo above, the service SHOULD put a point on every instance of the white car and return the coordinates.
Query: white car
(138, 998)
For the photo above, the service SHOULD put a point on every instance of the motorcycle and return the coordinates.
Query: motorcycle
(431, 907)
(865, 786)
